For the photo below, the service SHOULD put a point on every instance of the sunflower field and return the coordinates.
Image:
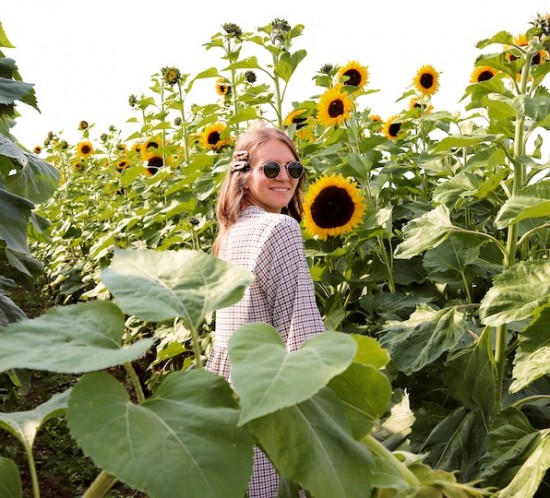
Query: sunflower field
(427, 237)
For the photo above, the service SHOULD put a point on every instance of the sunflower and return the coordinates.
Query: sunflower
(37, 149)
(333, 205)
(154, 163)
(122, 164)
(483, 73)
(353, 74)
(84, 149)
(334, 106)
(421, 105)
(78, 164)
(426, 80)
(149, 147)
(295, 117)
(222, 88)
(211, 138)
(392, 127)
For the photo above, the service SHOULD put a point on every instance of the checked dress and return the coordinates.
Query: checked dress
(271, 246)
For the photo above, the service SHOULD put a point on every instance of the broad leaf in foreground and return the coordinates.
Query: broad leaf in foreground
(268, 378)
(69, 339)
(311, 443)
(10, 480)
(163, 285)
(181, 442)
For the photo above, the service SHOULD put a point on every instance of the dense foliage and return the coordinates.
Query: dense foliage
(434, 283)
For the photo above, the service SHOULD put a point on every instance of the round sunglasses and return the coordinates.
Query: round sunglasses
(273, 168)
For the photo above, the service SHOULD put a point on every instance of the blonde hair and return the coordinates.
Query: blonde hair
(233, 197)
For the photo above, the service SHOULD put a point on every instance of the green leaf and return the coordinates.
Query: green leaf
(288, 63)
(471, 375)
(9, 311)
(310, 443)
(10, 480)
(454, 254)
(531, 202)
(517, 456)
(11, 90)
(532, 358)
(36, 181)
(181, 442)
(424, 337)
(13, 223)
(424, 233)
(457, 443)
(9, 149)
(370, 352)
(517, 293)
(268, 378)
(365, 393)
(158, 286)
(25, 425)
(4, 42)
(70, 339)
(450, 142)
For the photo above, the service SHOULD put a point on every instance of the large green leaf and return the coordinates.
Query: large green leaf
(13, 223)
(471, 375)
(517, 293)
(181, 442)
(269, 378)
(531, 202)
(450, 142)
(365, 393)
(310, 443)
(517, 455)
(532, 358)
(9, 149)
(36, 181)
(10, 480)
(424, 337)
(11, 91)
(9, 311)
(72, 339)
(457, 443)
(25, 425)
(163, 285)
(425, 232)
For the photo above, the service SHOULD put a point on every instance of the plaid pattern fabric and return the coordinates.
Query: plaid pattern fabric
(270, 245)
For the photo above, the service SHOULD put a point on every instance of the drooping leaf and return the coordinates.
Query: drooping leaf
(450, 142)
(10, 479)
(423, 338)
(532, 358)
(11, 150)
(517, 293)
(268, 378)
(181, 442)
(471, 375)
(37, 181)
(158, 286)
(70, 339)
(25, 425)
(424, 233)
(13, 223)
(515, 449)
(9, 311)
(310, 443)
(457, 443)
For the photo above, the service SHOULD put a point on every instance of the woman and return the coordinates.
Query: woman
(259, 210)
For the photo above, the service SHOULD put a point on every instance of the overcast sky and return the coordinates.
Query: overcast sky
(87, 58)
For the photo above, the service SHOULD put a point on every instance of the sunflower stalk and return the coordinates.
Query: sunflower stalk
(101, 485)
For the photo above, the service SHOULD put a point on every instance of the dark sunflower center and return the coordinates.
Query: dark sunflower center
(299, 122)
(484, 76)
(427, 80)
(394, 129)
(336, 108)
(354, 77)
(213, 138)
(155, 162)
(86, 149)
(332, 208)
(536, 59)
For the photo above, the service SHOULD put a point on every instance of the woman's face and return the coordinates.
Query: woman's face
(271, 194)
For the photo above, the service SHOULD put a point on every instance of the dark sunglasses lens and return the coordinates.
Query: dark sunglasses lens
(295, 169)
(271, 169)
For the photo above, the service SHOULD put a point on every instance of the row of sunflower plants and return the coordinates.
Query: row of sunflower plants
(415, 226)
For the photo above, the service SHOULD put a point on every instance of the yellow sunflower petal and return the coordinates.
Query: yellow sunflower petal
(426, 80)
(353, 74)
(334, 106)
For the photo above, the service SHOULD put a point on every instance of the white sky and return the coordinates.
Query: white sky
(86, 58)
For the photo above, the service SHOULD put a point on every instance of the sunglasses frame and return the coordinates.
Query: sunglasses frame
(278, 170)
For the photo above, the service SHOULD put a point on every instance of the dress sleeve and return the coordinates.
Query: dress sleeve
(287, 283)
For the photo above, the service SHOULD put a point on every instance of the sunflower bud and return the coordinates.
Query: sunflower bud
(232, 29)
